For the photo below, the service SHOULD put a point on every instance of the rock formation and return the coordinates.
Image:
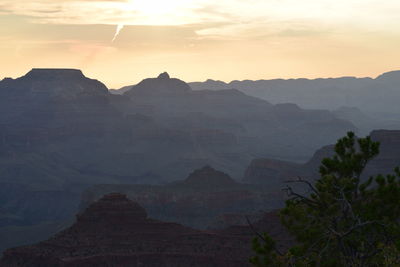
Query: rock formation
(61, 132)
(207, 176)
(115, 231)
(196, 201)
(377, 95)
(274, 173)
(163, 85)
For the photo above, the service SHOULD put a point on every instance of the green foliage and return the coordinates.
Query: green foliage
(266, 255)
(343, 221)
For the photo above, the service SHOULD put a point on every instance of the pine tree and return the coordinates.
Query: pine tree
(342, 221)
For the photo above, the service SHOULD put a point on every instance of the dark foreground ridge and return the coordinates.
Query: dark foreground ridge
(115, 231)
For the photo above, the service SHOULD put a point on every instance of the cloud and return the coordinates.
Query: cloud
(229, 17)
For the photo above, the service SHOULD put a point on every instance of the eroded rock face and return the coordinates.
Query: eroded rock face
(272, 172)
(61, 131)
(60, 82)
(47, 105)
(115, 231)
(197, 200)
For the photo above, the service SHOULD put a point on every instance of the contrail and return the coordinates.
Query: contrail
(119, 29)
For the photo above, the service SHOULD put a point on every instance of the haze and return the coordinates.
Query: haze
(201, 39)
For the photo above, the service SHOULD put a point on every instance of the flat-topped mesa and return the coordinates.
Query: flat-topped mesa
(163, 85)
(54, 74)
(60, 82)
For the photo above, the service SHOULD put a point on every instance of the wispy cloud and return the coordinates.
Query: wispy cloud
(248, 17)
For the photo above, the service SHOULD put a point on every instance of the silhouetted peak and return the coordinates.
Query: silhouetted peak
(207, 176)
(163, 85)
(163, 75)
(113, 207)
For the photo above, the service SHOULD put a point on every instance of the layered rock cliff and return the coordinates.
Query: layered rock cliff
(196, 201)
(115, 231)
(61, 132)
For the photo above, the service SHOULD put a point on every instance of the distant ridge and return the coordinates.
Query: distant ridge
(321, 93)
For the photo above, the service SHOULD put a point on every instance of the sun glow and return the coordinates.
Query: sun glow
(161, 12)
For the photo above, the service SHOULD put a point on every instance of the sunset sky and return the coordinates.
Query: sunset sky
(199, 39)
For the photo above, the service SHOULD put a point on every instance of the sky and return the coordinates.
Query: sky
(121, 42)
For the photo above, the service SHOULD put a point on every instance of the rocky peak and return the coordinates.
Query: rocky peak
(164, 76)
(112, 208)
(208, 176)
(163, 85)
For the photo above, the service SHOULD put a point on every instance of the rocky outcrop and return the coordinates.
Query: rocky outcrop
(272, 172)
(196, 201)
(209, 177)
(54, 82)
(161, 86)
(115, 231)
(63, 132)
(47, 105)
(250, 120)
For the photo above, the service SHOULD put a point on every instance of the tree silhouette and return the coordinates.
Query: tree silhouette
(342, 221)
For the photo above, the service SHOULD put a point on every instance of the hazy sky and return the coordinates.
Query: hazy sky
(199, 39)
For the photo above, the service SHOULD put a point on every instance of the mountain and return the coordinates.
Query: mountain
(163, 85)
(62, 132)
(373, 96)
(250, 121)
(116, 231)
(54, 82)
(392, 77)
(195, 201)
(274, 173)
